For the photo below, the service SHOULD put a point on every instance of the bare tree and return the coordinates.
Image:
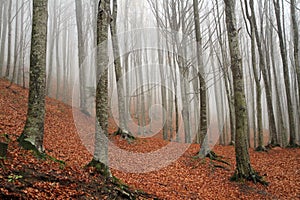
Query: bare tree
(100, 158)
(244, 169)
(81, 55)
(283, 53)
(33, 133)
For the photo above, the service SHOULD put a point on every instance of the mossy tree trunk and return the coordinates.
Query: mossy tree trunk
(243, 166)
(100, 159)
(33, 133)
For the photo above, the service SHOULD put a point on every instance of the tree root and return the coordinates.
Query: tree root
(214, 157)
(126, 135)
(261, 149)
(254, 177)
(100, 168)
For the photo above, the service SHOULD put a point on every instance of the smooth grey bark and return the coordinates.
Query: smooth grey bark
(100, 157)
(296, 43)
(123, 129)
(8, 64)
(21, 48)
(283, 53)
(203, 117)
(16, 42)
(33, 133)
(263, 67)
(4, 25)
(52, 37)
(81, 56)
(256, 70)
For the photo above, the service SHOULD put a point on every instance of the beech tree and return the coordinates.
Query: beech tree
(244, 169)
(100, 158)
(33, 133)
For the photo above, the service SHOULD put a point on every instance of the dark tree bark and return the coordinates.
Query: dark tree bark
(203, 116)
(243, 166)
(33, 133)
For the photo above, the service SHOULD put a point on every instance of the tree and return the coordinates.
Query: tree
(33, 133)
(81, 56)
(122, 130)
(203, 117)
(100, 158)
(243, 166)
(286, 75)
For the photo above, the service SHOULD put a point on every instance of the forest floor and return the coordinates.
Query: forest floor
(24, 176)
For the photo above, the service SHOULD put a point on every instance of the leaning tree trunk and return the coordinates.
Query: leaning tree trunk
(243, 166)
(33, 133)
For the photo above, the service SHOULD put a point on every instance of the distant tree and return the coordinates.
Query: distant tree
(123, 129)
(4, 26)
(81, 56)
(243, 171)
(33, 133)
(283, 53)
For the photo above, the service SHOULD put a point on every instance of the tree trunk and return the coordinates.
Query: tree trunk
(8, 64)
(283, 53)
(33, 133)
(3, 38)
(81, 56)
(243, 166)
(203, 116)
(123, 129)
(263, 67)
(100, 158)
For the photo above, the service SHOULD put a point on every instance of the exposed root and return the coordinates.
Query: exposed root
(261, 149)
(254, 177)
(100, 168)
(214, 157)
(126, 135)
(271, 146)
